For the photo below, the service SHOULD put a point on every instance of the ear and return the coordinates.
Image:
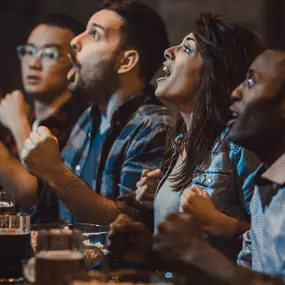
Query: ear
(128, 61)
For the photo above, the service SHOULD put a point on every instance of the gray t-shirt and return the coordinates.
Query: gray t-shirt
(167, 200)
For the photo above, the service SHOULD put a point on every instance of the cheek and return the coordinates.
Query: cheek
(24, 69)
(55, 72)
(186, 81)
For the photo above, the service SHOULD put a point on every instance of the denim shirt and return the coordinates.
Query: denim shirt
(227, 176)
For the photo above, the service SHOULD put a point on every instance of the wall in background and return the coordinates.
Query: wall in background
(179, 15)
(18, 16)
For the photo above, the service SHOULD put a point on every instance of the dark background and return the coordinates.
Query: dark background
(17, 18)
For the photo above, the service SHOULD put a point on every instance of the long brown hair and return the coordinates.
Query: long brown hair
(227, 50)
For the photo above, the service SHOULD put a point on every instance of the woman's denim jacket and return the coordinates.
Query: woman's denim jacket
(227, 176)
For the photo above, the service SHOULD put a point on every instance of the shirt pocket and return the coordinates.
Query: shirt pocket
(217, 184)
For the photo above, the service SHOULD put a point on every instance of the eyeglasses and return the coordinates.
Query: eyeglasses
(47, 55)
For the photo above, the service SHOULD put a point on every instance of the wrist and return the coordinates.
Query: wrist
(54, 176)
(216, 223)
(19, 124)
(225, 226)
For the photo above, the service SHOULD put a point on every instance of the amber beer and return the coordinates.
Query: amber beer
(56, 266)
(7, 208)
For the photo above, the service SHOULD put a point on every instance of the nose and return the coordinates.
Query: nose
(237, 93)
(170, 53)
(76, 43)
(35, 63)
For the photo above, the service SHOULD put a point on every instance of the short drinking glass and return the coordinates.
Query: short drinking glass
(59, 256)
(7, 202)
(15, 246)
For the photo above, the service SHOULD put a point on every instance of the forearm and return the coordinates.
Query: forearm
(227, 227)
(21, 132)
(80, 199)
(221, 269)
(15, 178)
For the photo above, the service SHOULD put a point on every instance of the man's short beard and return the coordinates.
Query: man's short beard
(101, 86)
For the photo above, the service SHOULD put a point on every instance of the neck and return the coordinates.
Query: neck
(43, 110)
(187, 117)
(270, 152)
(117, 98)
(186, 112)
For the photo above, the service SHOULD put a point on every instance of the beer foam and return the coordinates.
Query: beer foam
(4, 204)
(59, 255)
(11, 231)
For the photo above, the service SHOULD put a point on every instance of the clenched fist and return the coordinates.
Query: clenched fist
(147, 185)
(176, 237)
(13, 110)
(197, 202)
(129, 241)
(41, 155)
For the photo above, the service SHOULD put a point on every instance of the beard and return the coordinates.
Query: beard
(96, 83)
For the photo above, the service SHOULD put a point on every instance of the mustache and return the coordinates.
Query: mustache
(73, 60)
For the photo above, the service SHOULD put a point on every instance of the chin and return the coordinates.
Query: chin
(34, 91)
(240, 139)
(158, 92)
(162, 94)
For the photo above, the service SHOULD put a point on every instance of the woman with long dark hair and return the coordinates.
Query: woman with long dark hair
(200, 162)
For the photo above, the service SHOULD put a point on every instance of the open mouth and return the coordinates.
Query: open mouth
(166, 71)
(71, 75)
(233, 119)
(235, 115)
(75, 67)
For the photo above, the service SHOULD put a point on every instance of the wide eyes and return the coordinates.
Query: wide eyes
(187, 50)
(250, 82)
(94, 34)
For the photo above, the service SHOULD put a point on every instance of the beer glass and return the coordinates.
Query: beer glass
(7, 202)
(15, 246)
(59, 256)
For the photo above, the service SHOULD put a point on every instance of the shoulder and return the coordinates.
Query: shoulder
(154, 115)
(150, 109)
(238, 155)
(236, 152)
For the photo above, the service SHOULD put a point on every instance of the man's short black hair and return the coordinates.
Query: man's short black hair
(63, 21)
(143, 30)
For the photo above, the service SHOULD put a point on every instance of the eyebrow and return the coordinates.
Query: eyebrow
(53, 45)
(251, 72)
(98, 26)
(190, 39)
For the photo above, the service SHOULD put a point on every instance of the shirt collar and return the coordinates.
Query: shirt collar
(114, 103)
(259, 180)
(121, 109)
(276, 172)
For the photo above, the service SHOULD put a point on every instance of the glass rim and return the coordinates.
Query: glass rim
(6, 191)
(59, 232)
(14, 214)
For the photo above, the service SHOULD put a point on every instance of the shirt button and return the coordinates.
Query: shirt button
(210, 180)
(77, 167)
(117, 123)
(89, 135)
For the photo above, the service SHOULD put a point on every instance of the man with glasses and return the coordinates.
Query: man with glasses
(44, 66)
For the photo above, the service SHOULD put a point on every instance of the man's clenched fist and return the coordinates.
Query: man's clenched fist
(41, 155)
